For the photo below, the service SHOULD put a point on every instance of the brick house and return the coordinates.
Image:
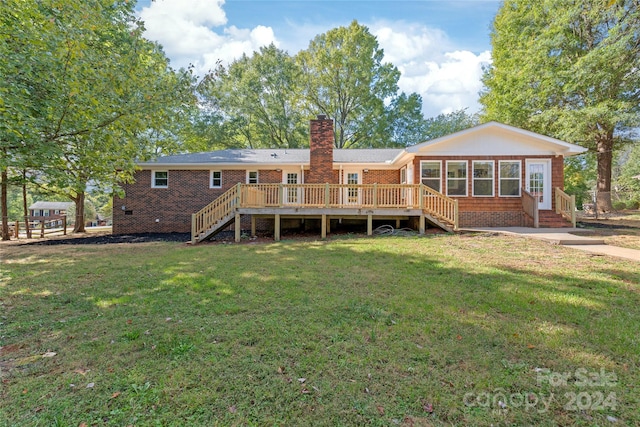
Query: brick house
(51, 212)
(490, 175)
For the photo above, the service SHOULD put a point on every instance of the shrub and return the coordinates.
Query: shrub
(633, 204)
(618, 206)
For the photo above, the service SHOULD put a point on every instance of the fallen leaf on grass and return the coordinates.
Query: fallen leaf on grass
(129, 321)
(116, 394)
(49, 354)
(81, 371)
(301, 380)
(531, 346)
(428, 407)
(305, 391)
(91, 385)
(281, 370)
(459, 337)
(380, 410)
(83, 425)
(233, 409)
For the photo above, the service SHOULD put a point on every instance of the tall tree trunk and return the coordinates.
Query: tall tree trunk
(79, 225)
(25, 208)
(604, 145)
(4, 205)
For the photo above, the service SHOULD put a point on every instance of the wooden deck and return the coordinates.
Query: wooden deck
(364, 201)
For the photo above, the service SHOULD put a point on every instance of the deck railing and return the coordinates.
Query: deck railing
(566, 206)
(365, 196)
(530, 207)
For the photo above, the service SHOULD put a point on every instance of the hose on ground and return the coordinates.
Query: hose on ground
(387, 230)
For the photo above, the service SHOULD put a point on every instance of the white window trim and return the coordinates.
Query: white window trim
(466, 178)
(500, 177)
(493, 179)
(211, 179)
(257, 176)
(431, 161)
(153, 179)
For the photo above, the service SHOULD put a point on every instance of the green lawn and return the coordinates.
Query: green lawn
(439, 330)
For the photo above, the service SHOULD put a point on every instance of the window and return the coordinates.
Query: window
(216, 179)
(483, 178)
(403, 175)
(510, 175)
(430, 174)
(45, 212)
(252, 177)
(160, 179)
(456, 178)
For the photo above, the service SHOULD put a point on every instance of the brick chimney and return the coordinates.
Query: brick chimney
(321, 152)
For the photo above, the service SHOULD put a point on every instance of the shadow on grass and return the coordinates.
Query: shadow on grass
(397, 324)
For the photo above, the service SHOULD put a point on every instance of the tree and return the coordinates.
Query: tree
(568, 69)
(446, 124)
(343, 76)
(94, 97)
(259, 98)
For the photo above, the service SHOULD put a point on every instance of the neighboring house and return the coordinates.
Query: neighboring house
(51, 212)
(490, 175)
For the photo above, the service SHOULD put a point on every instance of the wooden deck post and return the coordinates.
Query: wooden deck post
(328, 224)
(421, 196)
(327, 195)
(456, 222)
(369, 225)
(397, 223)
(193, 229)
(238, 225)
(323, 233)
(422, 224)
(42, 229)
(64, 225)
(375, 195)
(253, 225)
(276, 228)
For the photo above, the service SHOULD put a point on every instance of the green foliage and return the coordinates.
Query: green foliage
(627, 183)
(344, 77)
(578, 177)
(258, 97)
(85, 95)
(446, 124)
(568, 69)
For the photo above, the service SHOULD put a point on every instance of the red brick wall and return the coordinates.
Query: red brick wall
(381, 177)
(321, 152)
(187, 193)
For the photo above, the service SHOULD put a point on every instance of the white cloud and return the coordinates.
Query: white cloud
(446, 78)
(187, 36)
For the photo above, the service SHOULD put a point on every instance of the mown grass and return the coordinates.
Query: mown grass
(356, 331)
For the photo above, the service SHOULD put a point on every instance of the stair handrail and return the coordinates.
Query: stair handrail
(214, 212)
(530, 207)
(566, 206)
(439, 206)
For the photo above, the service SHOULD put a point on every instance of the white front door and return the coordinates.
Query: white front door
(352, 194)
(290, 188)
(538, 182)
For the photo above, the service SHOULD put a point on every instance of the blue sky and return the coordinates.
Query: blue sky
(440, 47)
